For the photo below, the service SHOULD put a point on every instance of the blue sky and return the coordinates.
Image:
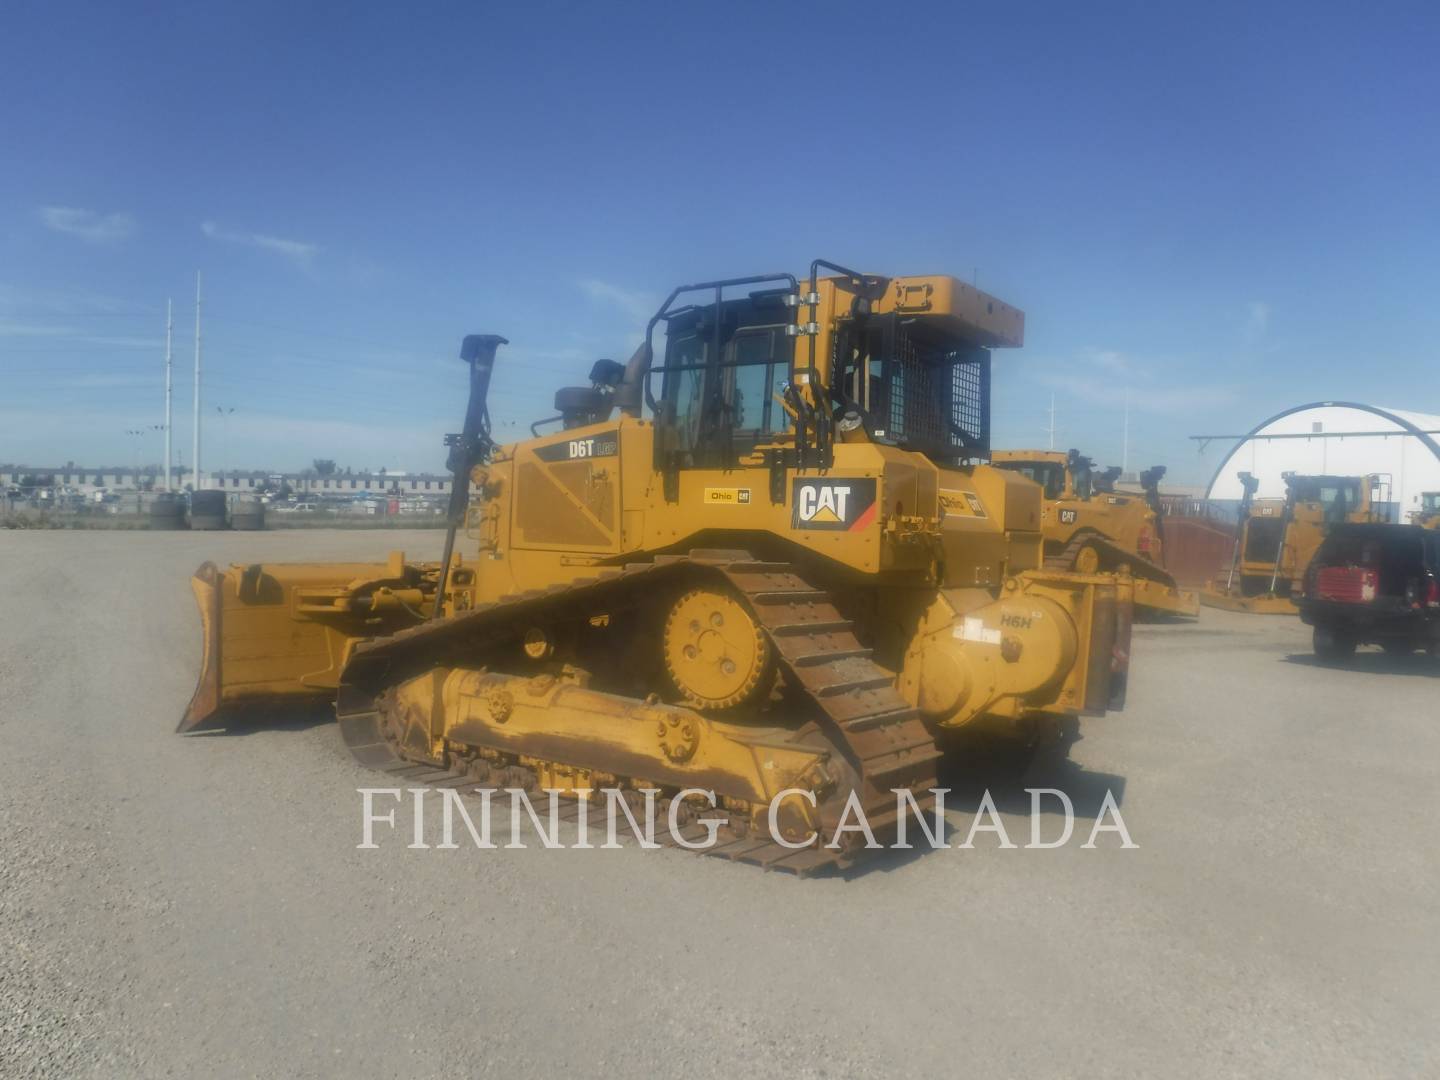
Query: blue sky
(1224, 209)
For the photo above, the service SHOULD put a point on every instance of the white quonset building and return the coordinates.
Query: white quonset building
(1337, 438)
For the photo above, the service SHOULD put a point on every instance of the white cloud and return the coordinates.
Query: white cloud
(1097, 390)
(1257, 321)
(13, 329)
(637, 305)
(122, 341)
(57, 301)
(87, 224)
(104, 382)
(1110, 360)
(297, 250)
(1106, 376)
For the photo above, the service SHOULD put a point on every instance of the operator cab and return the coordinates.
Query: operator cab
(760, 378)
(910, 384)
(725, 375)
(1050, 475)
(1082, 475)
(1341, 497)
(1060, 475)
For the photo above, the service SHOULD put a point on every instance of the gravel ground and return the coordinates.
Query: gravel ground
(197, 906)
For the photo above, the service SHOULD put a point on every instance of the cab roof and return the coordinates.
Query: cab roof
(974, 315)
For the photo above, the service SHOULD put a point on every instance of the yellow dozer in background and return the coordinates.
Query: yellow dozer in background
(1092, 528)
(767, 561)
(1275, 539)
(1428, 516)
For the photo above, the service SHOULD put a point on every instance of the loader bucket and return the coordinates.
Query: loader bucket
(268, 637)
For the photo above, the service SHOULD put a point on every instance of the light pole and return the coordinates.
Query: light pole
(169, 387)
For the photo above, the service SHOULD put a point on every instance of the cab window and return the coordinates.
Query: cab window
(1338, 500)
(727, 405)
(1049, 476)
(685, 387)
(755, 372)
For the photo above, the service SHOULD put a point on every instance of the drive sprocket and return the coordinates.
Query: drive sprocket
(716, 654)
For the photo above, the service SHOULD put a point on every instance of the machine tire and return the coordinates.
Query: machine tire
(1333, 646)
(1399, 647)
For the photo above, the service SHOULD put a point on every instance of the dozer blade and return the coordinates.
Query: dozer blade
(1157, 596)
(205, 702)
(1265, 604)
(274, 634)
(1156, 590)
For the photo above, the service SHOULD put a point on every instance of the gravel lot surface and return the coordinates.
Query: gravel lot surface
(196, 905)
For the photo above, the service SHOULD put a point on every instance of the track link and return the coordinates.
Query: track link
(855, 703)
(1140, 566)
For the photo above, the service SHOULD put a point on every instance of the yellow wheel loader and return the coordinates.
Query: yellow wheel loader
(766, 562)
(1092, 528)
(1428, 516)
(1275, 539)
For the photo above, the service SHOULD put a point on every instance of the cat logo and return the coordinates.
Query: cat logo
(836, 504)
(1067, 517)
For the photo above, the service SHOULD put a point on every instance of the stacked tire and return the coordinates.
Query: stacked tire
(247, 514)
(167, 512)
(207, 510)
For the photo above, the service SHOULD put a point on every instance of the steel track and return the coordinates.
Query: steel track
(856, 705)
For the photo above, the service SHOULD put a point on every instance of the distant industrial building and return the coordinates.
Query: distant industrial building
(1337, 438)
(88, 480)
(339, 484)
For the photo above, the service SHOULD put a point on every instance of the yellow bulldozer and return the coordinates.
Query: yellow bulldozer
(768, 561)
(1428, 516)
(1092, 528)
(1275, 539)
